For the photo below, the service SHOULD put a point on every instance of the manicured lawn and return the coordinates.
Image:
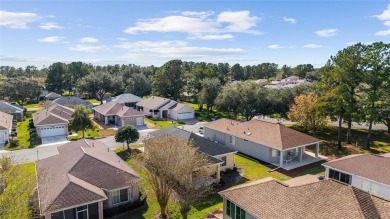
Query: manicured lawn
(318, 170)
(32, 105)
(93, 101)
(89, 133)
(163, 123)
(202, 115)
(251, 171)
(380, 141)
(25, 142)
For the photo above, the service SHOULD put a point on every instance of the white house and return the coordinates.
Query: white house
(53, 121)
(368, 172)
(159, 107)
(5, 126)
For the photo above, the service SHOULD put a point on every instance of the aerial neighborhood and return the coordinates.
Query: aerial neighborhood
(176, 128)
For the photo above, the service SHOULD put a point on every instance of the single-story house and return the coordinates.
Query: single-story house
(125, 99)
(5, 126)
(368, 172)
(52, 96)
(91, 179)
(159, 107)
(72, 102)
(269, 142)
(15, 110)
(223, 156)
(53, 121)
(302, 198)
(118, 114)
(42, 95)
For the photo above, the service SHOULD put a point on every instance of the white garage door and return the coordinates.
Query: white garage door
(2, 137)
(140, 121)
(185, 115)
(52, 131)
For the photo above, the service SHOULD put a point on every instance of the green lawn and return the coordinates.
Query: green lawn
(163, 123)
(32, 105)
(25, 142)
(203, 116)
(93, 100)
(89, 133)
(251, 171)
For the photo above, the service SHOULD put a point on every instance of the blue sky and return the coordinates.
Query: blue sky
(152, 32)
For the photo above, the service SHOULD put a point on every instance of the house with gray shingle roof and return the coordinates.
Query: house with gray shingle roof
(159, 107)
(53, 121)
(72, 102)
(222, 156)
(90, 180)
(270, 198)
(126, 99)
(15, 110)
(118, 114)
(369, 172)
(5, 126)
(269, 142)
(52, 96)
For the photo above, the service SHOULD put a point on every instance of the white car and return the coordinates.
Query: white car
(201, 129)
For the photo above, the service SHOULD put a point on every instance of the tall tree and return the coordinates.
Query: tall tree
(75, 71)
(55, 77)
(376, 77)
(20, 89)
(128, 134)
(209, 92)
(306, 113)
(302, 70)
(168, 80)
(237, 72)
(139, 85)
(80, 119)
(99, 83)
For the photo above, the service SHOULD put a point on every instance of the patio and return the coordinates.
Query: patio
(307, 158)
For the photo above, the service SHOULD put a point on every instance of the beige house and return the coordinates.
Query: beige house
(368, 172)
(85, 180)
(221, 157)
(53, 121)
(117, 114)
(5, 126)
(269, 142)
(302, 197)
(159, 107)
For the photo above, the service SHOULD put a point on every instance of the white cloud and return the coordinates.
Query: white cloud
(88, 48)
(383, 32)
(327, 32)
(88, 40)
(52, 39)
(50, 26)
(385, 16)
(312, 46)
(17, 20)
(212, 37)
(290, 20)
(275, 46)
(122, 39)
(174, 49)
(200, 24)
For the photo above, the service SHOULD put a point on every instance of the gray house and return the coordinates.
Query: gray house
(269, 142)
(15, 110)
(90, 180)
(125, 99)
(118, 114)
(72, 102)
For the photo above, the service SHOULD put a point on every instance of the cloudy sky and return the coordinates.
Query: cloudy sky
(150, 32)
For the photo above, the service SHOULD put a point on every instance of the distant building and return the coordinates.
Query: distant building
(289, 82)
(129, 100)
(15, 110)
(72, 102)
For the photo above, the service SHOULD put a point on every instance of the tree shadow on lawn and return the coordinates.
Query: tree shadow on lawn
(135, 214)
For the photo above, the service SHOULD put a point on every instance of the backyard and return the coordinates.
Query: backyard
(26, 138)
(204, 117)
(249, 169)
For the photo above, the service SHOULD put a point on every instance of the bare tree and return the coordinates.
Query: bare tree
(173, 164)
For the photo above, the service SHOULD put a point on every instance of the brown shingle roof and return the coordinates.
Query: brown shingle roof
(5, 121)
(153, 102)
(324, 199)
(269, 134)
(114, 108)
(86, 167)
(376, 167)
(55, 114)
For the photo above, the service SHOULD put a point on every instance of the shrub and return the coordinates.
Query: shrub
(73, 138)
(14, 143)
(228, 170)
(234, 169)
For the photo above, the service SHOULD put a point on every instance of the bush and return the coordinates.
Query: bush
(73, 138)
(235, 169)
(33, 135)
(228, 170)
(14, 143)
(28, 114)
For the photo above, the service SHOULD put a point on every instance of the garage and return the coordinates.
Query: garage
(52, 131)
(140, 121)
(2, 137)
(185, 115)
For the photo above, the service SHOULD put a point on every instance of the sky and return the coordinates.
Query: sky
(151, 32)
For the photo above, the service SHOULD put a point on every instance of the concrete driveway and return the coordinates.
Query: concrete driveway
(53, 139)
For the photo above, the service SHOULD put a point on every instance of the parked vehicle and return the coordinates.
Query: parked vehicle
(201, 129)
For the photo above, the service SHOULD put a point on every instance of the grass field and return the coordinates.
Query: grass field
(163, 123)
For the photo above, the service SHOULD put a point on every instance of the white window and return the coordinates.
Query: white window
(275, 153)
(232, 140)
(119, 196)
(82, 212)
